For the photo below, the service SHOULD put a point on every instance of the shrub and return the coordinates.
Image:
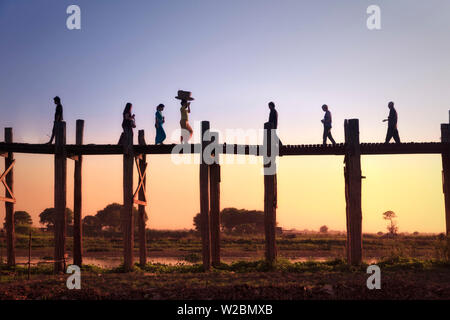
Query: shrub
(192, 257)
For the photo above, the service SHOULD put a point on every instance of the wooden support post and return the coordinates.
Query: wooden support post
(352, 172)
(127, 211)
(9, 206)
(270, 195)
(77, 201)
(214, 190)
(204, 202)
(29, 256)
(60, 195)
(445, 137)
(142, 212)
(1, 246)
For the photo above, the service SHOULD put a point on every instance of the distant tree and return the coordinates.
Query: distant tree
(197, 222)
(392, 227)
(23, 229)
(415, 233)
(379, 233)
(23, 218)
(91, 224)
(91, 221)
(111, 217)
(232, 221)
(232, 218)
(47, 217)
(245, 228)
(323, 229)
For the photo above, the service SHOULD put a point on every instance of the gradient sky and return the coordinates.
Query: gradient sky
(234, 56)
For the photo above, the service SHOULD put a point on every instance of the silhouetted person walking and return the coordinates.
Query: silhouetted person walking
(128, 123)
(159, 120)
(58, 116)
(392, 131)
(273, 119)
(327, 126)
(185, 97)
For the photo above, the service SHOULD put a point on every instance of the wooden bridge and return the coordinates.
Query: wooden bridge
(257, 150)
(209, 184)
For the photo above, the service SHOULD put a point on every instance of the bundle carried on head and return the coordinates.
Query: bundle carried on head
(184, 95)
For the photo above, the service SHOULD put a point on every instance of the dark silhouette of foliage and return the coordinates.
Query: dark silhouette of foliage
(111, 217)
(392, 227)
(237, 221)
(197, 222)
(91, 225)
(47, 217)
(22, 218)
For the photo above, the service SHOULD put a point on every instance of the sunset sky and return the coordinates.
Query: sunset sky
(235, 56)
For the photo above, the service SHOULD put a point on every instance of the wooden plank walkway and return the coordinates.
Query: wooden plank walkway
(257, 150)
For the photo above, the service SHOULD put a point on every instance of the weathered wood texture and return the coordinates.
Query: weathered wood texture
(204, 203)
(142, 211)
(60, 196)
(9, 206)
(77, 200)
(214, 193)
(353, 192)
(270, 194)
(29, 255)
(445, 137)
(285, 150)
(127, 210)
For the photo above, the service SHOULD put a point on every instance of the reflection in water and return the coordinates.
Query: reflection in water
(112, 262)
(106, 262)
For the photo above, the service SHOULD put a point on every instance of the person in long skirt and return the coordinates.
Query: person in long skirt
(186, 129)
(128, 123)
(159, 120)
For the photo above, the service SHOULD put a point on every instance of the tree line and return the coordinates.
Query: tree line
(107, 219)
(237, 221)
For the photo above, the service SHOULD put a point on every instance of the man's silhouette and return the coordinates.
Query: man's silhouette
(392, 131)
(58, 116)
(327, 126)
(273, 119)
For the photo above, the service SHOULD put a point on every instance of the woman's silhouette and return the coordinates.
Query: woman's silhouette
(159, 120)
(128, 123)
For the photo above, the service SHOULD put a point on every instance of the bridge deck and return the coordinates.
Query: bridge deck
(285, 150)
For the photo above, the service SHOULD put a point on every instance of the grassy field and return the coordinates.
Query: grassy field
(188, 244)
(413, 267)
(401, 279)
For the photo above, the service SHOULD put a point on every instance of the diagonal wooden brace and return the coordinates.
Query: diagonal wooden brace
(140, 185)
(2, 179)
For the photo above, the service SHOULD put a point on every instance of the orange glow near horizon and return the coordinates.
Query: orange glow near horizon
(310, 190)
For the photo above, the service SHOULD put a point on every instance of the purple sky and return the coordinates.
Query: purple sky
(234, 56)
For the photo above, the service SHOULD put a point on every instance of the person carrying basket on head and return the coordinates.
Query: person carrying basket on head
(186, 129)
